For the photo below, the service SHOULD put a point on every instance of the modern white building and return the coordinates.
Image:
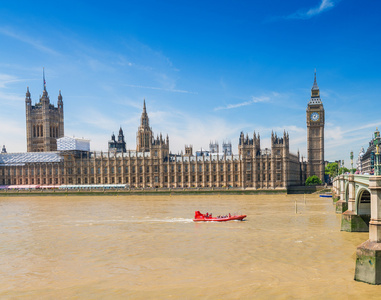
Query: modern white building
(73, 144)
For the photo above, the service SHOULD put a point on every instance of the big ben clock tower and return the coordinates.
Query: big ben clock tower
(315, 134)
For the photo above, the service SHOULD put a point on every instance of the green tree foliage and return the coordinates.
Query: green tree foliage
(343, 170)
(332, 169)
(313, 180)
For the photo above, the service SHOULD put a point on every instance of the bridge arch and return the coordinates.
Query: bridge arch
(363, 202)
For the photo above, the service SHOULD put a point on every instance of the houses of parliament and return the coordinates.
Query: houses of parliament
(52, 159)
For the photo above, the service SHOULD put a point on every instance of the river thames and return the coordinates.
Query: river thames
(148, 247)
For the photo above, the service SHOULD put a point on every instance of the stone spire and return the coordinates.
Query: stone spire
(144, 136)
(120, 135)
(27, 96)
(60, 102)
(315, 93)
(43, 77)
(45, 97)
(144, 121)
(315, 86)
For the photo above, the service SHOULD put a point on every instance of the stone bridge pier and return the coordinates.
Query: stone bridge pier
(341, 205)
(368, 254)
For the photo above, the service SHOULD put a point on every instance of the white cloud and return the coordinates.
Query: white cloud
(10, 98)
(246, 103)
(324, 6)
(6, 79)
(6, 97)
(160, 89)
(27, 40)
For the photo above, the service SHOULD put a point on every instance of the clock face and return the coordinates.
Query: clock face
(314, 116)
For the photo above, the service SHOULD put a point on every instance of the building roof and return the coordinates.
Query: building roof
(315, 98)
(19, 159)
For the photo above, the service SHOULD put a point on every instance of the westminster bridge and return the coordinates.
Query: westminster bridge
(358, 198)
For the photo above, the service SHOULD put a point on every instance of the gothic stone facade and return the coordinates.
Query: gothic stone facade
(151, 165)
(151, 169)
(44, 123)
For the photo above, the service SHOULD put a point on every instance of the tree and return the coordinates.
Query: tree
(343, 170)
(332, 169)
(313, 180)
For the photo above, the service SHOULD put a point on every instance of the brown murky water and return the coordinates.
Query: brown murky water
(147, 247)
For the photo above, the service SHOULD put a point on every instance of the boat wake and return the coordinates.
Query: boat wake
(133, 220)
(171, 220)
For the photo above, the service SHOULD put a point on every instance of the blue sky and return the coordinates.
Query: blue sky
(207, 70)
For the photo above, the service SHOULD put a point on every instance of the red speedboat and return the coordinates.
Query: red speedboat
(199, 217)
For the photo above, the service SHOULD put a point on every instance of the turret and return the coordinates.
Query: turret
(213, 147)
(117, 145)
(120, 135)
(257, 143)
(286, 139)
(28, 104)
(241, 138)
(188, 150)
(61, 114)
(60, 102)
(245, 146)
(144, 136)
(28, 100)
(280, 145)
(227, 148)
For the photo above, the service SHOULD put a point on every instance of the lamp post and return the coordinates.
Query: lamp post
(351, 156)
(377, 142)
